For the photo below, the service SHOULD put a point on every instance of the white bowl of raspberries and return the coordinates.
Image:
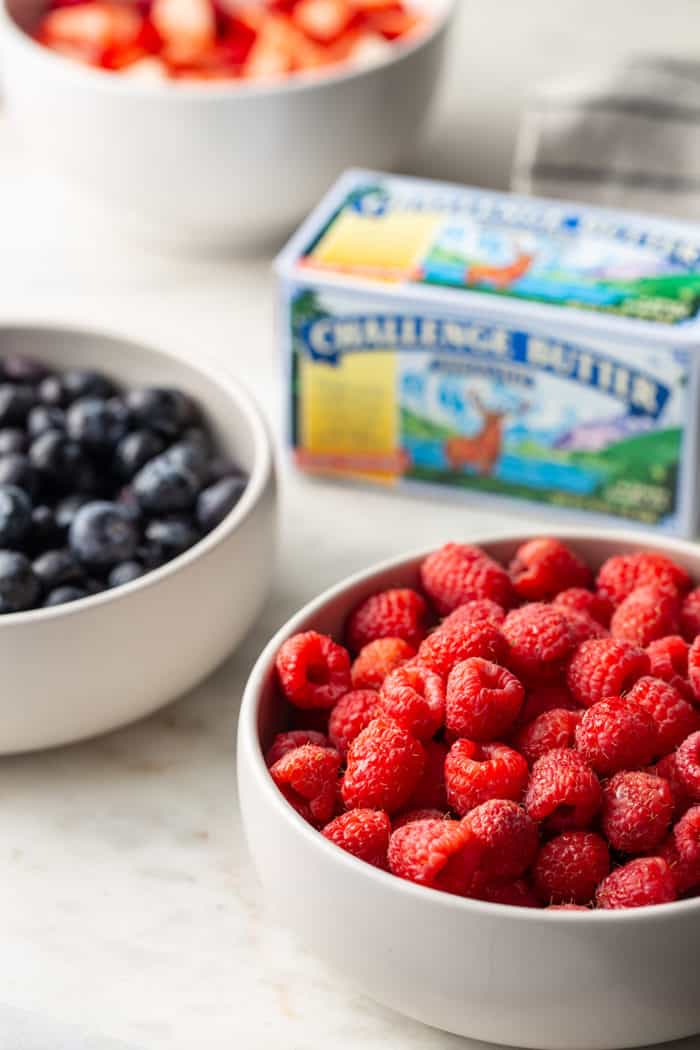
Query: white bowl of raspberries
(137, 526)
(470, 778)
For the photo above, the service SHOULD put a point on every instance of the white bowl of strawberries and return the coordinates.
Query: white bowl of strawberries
(212, 123)
(470, 778)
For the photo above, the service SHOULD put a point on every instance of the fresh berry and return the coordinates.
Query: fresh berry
(516, 894)
(644, 881)
(172, 535)
(605, 667)
(569, 867)
(476, 611)
(563, 791)
(686, 836)
(694, 668)
(61, 463)
(218, 500)
(675, 718)
(578, 599)
(623, 573)
(313, 670)
(134, 450)
(669, 660)
(685, 875)
(83, 382)
(667, 768)
(19, 586)
(688, 765)
(458, 573)
(96, 423)
(542, 568)
(582, 626)
(398, 613)
(102, 534)
(690, 615)
(483, 700)
(646, 614)
(555, 729)
(430, 792)
(617, 734)
(362, 832)
(384, 765)
(57, 567)
(66, 593)
(476, 773)
(378, 659)
(13, 440)
(351, 714)
(285, 742)
(162, 486)
(441, 854)
(508, 838)
(540, 641)
(410, 816)
(541, 698)
(16, 401)
(16, 469)
(567, 907)
(445, 648)
(15, 515)
(308, 779)
(165, 410)
(415, 698)
(637, 811)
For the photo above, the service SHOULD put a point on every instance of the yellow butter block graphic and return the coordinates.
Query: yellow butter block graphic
(389, 246)
(348, 416)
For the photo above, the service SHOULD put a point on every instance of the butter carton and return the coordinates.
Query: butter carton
(455, 338)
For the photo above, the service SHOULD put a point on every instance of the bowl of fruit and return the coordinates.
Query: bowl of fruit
(470, 779)
(137, 528)
(214, 124)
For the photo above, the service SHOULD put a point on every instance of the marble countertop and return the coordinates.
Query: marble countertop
(129, 905)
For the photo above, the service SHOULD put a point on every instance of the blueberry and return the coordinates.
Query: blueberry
(16, 469)
(220, 468)
(44, 417)
(44, 531)
(63, 462)
(16, 400)
(191, 456)
(51, 392)
(12, 439)
(162, 486)
(151, 555)
(166, 410)
(56, 567)
(125, 572)
(63, 595)
(135, 450)
(82, 382)
(98, 424)
(199, 437)
(102, 534)
(173, 535)
(15, 515)
(215, 502)
(19, 587)
(21, 369)
(67, 508)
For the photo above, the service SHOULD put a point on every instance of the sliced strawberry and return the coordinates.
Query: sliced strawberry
(95, 26)
(271, 54)
(323, 20)
(188, 27)
(394, 24)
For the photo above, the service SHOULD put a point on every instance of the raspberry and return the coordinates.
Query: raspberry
(413, 815)
(675, 718)
(483, 699)
(563, 791)
(508, 838)
(686, 836)
(458, 573)
(549, 731)
(540, 640)
(688, 765)
(604, 667)
(351, 715)
(285, 742)
(313, 671)
(694, 668)
(617, 734)
(543, 567)
(541, 698)
(569, 867)
(476, 611)
(415, 698)
(623, 573)
(669, 660)
(308, 779)
(362, 832)
(567, 907)
(442, 854)
(637, 811)
(398, 613)
(578, 599)
(667, 768)
(475, 774)
(646, 614)
(647, 880)
(377, 659)
(430, 791)
(517, 894)
(583, 626)
(686, 876)
(384, 765)
(690, 615)
(448, 646)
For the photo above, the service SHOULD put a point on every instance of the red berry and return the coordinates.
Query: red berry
(646, 880)
(563, 790)
(351, 715)
(578, 599)
(617, 734)
(690, 615)
(362, 832)
(483, 699)
(410, 816)
(516, 894)
(458, 573)
(667, 768)
(540, 640)
(415, 698)
(384, 765)
(442, 854)
(583, 627)
(685, 875)
(476, 773)
(637, 811)
(377, 659)
(686, 836)
(688, 765)
(675, 718)
(476, 611)
(313, 671)
(569, 867)
(448, 646)
(550, 730)
(605, 667)
(543, 567)
(541, 698)
(431, 792)
(397, 613)
(694, 668)
(308, 779)
(646, 614)
(669, 660)
(508, 838)
(623, 573)
(567, 907)
(285, 742)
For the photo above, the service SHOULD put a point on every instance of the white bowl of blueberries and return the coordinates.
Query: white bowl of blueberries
(137, 529)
